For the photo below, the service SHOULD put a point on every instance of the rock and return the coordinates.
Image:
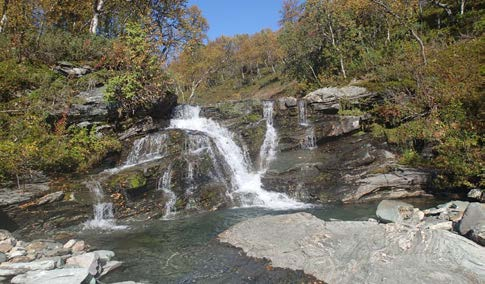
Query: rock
(10, 196)
(22, 258)
(7, 245)
(436, 224)
(16, 251)
(10, 272)
(69, 69)
(104, 255)
(51, 197)
(110, 266)
(359, 252)
(328, 99)
(452, 210)
(58, 276)
(4, 234)
(91, 107)
(42, 246)
(472, 224)
(401, 183)
(79, 246)
(3, 257)
(398, 212)
(477, 194)
(87, 260)
(34, 265)
(69, 244)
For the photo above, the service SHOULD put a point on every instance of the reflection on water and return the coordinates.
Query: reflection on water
(185, 250)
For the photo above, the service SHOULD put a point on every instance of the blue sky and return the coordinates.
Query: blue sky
(230, 17)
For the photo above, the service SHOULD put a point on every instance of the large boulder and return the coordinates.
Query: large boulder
(472, 224)
(359, 252)
(398, 212)
(329, 99)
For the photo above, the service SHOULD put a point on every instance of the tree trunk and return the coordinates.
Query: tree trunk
(421, 45)
(462, 7)
(98, 6)
(342, 68)
(272, 68)
(3, 20)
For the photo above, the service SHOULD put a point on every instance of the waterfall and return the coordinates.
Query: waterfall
(164, 183)
(302, 113)
(309, 141)
(103, 211)
(246, 186)
(268, 149)
(148, 148)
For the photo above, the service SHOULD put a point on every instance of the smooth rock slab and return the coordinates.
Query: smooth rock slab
(359, 252)
(34, 265)
(58, 276)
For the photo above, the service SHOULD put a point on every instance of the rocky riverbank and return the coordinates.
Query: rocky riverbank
(52, 262)
(418, 247)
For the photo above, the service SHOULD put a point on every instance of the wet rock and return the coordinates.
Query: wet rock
(472, 224)
(477, 194)
(51, 197)
(110, 266)
(141, 126)
(10, 196)
(398, 212)
(34, 265)
(392, 253)
(3, 257)
(58, 276)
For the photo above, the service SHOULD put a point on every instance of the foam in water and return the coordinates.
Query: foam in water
(164, 183)
(148, 148)
(246, 186)
(268, 149)
(103, 211)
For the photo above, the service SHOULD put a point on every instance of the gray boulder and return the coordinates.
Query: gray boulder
(400, 183)
(359, 252)
(477, 194)
(58, 276)
(472, 224)
(90, 261)
(398, 212)
(34, 265)
(329, 98)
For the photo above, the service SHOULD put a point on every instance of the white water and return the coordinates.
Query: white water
(164, 183)
(302, 114)
(148, 148)
(310, 141)
(103, 211)
(246, 184)
(268, 149)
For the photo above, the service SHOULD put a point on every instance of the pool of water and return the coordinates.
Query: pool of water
(186, 250)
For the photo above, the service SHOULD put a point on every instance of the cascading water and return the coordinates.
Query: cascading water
(302, 114)
(164, 183)
(246, 185)
(268, 149)
(103, 211)
(148, 148)
(310, 141)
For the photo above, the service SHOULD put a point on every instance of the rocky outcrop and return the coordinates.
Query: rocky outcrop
(68, 69)
(330, 99)
(359, 252)
(47, 261)
(26, 192)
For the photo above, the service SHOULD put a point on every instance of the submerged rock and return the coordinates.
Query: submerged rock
(359, 252)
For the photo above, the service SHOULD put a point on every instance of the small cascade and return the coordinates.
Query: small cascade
(310, 141)
(302, 113)
(103, 211)
(246, 185)
(164, 184)
(148, 148)
(268, 149)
